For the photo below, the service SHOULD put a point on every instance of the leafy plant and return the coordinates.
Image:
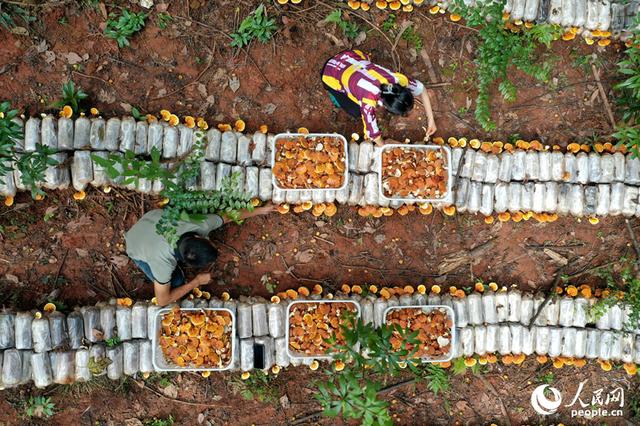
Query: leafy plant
(547, 378)
(138, 115)
(169, 421)
(413, 38)
(163, 20)
(9, 13)
(122, 28)
(498, 51)
(436, 377)
(185, 203)
(112, 342)
(256, 26)
(389, 24)
(349, 28)
(40, 407)
(366, 352)
(258, 386)
(268, 283)
(345, 394)
(72, 96)
(31, 165)
(623, 290)
(628, 101)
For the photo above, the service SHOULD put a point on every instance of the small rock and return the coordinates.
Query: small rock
(147, 4)
(12, 278)
(379, 238)
(73, 58)
(284, 402)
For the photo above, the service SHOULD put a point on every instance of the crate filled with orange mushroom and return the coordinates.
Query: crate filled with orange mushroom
(415, 173)
(314, 161)
(311, 322)
(435, 326)
(194, 339)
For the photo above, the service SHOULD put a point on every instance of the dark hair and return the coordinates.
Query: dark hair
(396, 99)
(196, 251)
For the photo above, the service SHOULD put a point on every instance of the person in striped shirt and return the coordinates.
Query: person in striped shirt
(359, 86)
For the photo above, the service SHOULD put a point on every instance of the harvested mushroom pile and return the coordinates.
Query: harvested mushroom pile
(414, 173)
(311, 323)
(310, 163)
(196, 339)
(434, 331)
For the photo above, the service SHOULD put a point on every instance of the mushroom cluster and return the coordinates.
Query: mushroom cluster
(198, 339)
(310, 324)
(414, 173)
(310, 162)
(434, 331)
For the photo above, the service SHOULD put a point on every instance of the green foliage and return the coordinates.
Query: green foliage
(138, 115)
(349, 28)
(624, 288)
(185, 203)
(39, 407)
(499, 50)
(72, 96)
(122, 28)
(389, 24)
(169, 421)
(629, 136)
(411, 36)
(163, 20)
(258, 386)
(352, 392)
(32, 165)
(634, 405)
(256, 26)
(346, 394)
(546, 33)
(628, 99)
(547, 378)
(112, 342)
(436, 377)
(9, 13)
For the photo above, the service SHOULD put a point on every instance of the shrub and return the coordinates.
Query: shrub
(499, 50)
(122, 28)
(256, 26)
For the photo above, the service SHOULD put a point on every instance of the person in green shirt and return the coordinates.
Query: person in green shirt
(163, 264)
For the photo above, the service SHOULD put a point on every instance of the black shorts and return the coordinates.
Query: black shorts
(341, 98)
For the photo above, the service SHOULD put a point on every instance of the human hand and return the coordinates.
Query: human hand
(431, 127)
(201, 279)
(379, 141)
(267, 208)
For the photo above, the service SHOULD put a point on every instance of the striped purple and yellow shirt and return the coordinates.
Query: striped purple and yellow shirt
(351, 72)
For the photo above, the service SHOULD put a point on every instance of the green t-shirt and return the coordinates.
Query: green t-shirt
(145, 244)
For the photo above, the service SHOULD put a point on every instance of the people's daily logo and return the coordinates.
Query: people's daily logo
(546, 400)
(543, 405)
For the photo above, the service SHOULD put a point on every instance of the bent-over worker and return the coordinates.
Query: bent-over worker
(359, 87)
(163, 264)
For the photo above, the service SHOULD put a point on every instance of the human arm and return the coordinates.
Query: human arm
(431, 123)
(256, 212)
(165, 294)
(371, 123)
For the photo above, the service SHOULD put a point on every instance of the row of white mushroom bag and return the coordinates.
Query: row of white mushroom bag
(551, 341)
(66, 366)
(256, 317)
(582, 184)
(58, 348)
